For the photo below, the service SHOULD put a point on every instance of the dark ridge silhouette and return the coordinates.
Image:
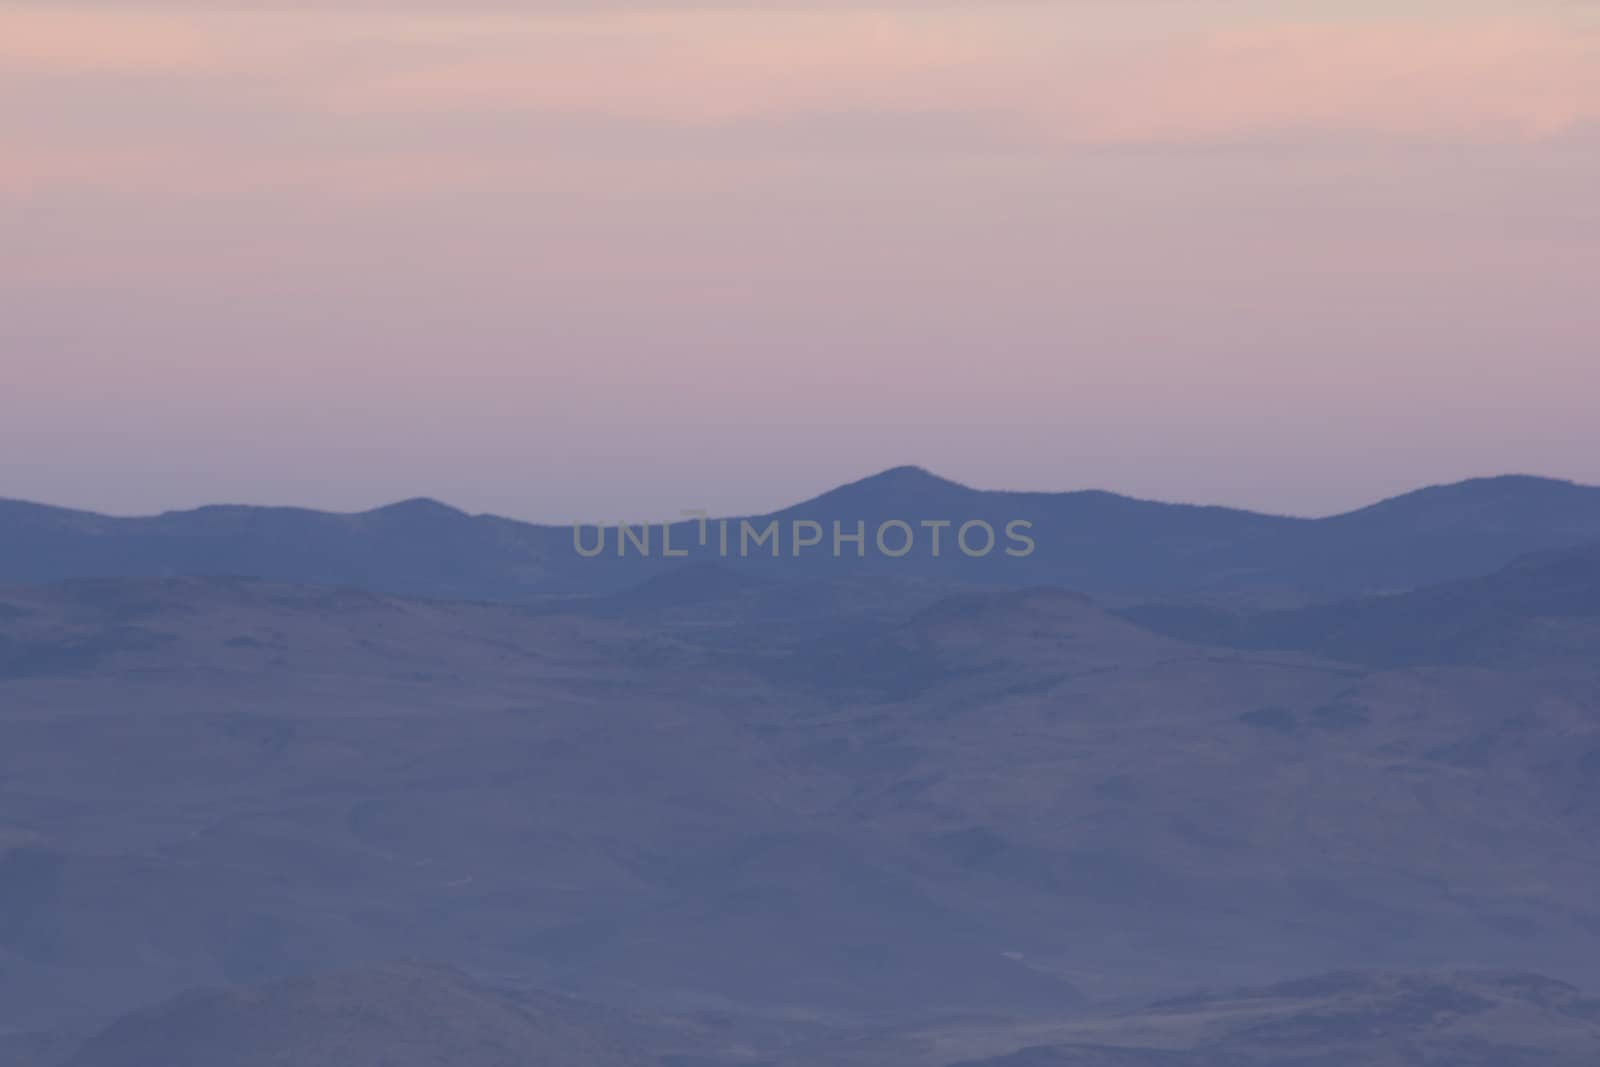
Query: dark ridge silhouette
(1108, 545)
(1546, 605)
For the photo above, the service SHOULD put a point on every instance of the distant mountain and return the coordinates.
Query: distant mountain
(418, 548)
(863, 813)
(1098, 542)
(1422, 538)
(1545, 606)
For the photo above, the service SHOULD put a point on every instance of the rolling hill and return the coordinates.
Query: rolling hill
(1097, 542)
(1543, 608)
(399, 1015)
(999, 801)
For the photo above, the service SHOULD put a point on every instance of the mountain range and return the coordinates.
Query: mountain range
(784, 816)
(1097, 542)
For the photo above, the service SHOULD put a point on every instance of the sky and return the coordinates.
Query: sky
(600, 259)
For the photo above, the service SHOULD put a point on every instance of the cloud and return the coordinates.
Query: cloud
(582, 7)
(1042, 78)
(703, 71)
(47, 41)
(1417, 80)
(339, 93)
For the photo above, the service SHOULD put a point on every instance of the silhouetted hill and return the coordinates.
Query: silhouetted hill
(1545, 606)
(1091, 540)
(1426, 537)
(1095, 541)
(418, 548)
(903, 492)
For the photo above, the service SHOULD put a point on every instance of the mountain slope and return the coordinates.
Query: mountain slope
(1543, 607)
(980, 805)
(1375, 1020)
(419, 548)
(1430, 536)
(1095, 541)
(401, 1015)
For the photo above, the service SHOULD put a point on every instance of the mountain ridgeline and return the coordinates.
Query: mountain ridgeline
(1111, 546)
(412, 787)
(1541, 603)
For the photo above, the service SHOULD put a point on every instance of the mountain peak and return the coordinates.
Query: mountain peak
(889, 492)
(911, 478)
(418, 507)
(909, 474)
(1509, 492)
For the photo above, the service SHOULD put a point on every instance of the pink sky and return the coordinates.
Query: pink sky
(563, 260)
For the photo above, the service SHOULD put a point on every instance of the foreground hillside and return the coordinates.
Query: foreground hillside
(394, 1016)
(1447, 1020)
(1542, 610)
(415, 1015)
(900, 804)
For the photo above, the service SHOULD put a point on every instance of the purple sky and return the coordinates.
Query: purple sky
(618, 258)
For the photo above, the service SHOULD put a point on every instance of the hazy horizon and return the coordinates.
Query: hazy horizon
(628, 511)
(866, 769)
(540, 258)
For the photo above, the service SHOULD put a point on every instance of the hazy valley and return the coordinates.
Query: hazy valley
(741, 812)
